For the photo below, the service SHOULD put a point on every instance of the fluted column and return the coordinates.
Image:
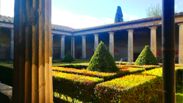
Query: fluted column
(84, 47)
(73, 46)
(130, 46)
(33, 53)
(181, 43)
(62, 48)
(111, 43)
(153, 40)
(96, 41)
(12, 44)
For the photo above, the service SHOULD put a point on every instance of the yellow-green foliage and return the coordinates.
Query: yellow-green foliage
(75, 86)
(76, 78)
(127, 81)
(155, 72)
(83, 72)
(104, 75)
(130, 89)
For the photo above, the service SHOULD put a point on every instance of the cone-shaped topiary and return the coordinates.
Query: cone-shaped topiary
(102, 60)
(146, 57)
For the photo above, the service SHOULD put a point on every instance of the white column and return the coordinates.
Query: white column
(84, 47)
(111, 43)
(73, 46)
(62, 47)
(96, 41)
(181, 43)
(153, 40)
(130, 46)
(12, 44)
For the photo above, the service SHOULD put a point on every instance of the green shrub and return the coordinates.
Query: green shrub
(102, 60)
(68, 58)
(75, 86)
(130, 89)
(146, 57)
(179, 77)
(6, 75)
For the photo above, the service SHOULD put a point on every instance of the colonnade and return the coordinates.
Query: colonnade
(153, 43)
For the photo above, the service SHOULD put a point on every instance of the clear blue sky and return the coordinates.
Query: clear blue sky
(87, 13)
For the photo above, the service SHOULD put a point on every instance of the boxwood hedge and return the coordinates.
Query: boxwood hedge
(130, 89)
(76, 86)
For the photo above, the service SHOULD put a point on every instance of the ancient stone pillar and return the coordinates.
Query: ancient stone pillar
(181, 43)
(111, 43)
(62, 48)
(84, 47)
(153, 40)
(96, 41)
(33, 53)
(73, 46)
(12, 44)
(130, 46)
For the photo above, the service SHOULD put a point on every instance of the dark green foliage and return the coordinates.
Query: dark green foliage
(68, 58)
(76, 66)
(119, 15)
(146, 57)
(102, 60)
(6, 75)
(179, 77)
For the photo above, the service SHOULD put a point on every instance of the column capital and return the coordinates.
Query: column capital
(153, 27)
(111, 32)
(62, 36)
(83, 35)
(180, 24)
(130, 30)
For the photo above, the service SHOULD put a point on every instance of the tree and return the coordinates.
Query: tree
(119, 15)
(102, 60)
(154, 11)
(146, 57)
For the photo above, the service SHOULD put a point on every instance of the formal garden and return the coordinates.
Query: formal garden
(102, 80)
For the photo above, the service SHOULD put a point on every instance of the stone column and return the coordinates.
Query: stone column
(111, 43)
(62, 48)
(130, 46)
(33, 53)
(84, 47)
(12, 44)
(73, 46)
(153, 40)
(181, 43)
(96, 41)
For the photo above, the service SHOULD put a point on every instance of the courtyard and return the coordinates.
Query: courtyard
(136, 61)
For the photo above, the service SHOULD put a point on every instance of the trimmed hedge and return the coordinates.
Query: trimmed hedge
(179, 76)
(130, 89)
(68, 58)
(146, 57)
(76, 86)
(6, 75)
(104, 75)
(102, 60)
(76, 66)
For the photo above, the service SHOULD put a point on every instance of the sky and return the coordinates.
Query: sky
(88, 13)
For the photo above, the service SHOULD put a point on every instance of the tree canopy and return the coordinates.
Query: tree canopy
(119, 15)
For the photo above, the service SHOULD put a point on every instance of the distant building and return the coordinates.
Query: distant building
(124, 39)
